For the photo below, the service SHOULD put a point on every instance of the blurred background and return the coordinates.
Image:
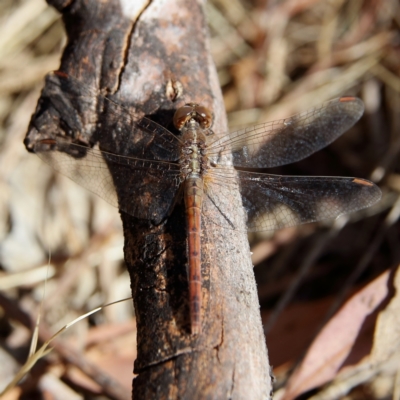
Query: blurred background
(274, 59)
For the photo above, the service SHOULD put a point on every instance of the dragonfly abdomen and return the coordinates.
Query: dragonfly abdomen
(193, 204)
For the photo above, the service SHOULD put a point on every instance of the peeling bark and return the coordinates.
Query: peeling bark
(153, 58)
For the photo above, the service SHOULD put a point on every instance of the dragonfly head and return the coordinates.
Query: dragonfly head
(192, 111)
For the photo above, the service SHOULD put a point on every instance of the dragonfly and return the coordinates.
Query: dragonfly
(159, 166)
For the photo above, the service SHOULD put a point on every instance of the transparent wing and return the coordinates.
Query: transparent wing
(288, 140)
(146, 189)
(141, 136)
(274, 202)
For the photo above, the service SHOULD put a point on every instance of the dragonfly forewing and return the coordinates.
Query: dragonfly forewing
(288, 140)
(142, 188)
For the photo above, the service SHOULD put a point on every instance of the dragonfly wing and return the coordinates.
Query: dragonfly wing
(274, 202)
(288, 140)
(222, 205)
(82, 108)
(146, 189)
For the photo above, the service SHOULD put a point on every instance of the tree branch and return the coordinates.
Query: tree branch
(153, 58)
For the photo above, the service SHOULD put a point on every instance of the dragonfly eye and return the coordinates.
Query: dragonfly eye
(189, 111)
(203, 116)
(182, 115)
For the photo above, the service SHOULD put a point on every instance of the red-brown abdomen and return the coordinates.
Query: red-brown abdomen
(193, 203)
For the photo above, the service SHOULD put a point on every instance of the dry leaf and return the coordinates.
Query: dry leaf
(335, 342)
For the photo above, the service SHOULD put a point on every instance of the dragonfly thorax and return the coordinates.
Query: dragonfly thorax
(193, 160)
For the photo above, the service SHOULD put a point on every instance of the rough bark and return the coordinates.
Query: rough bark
(154, 57)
